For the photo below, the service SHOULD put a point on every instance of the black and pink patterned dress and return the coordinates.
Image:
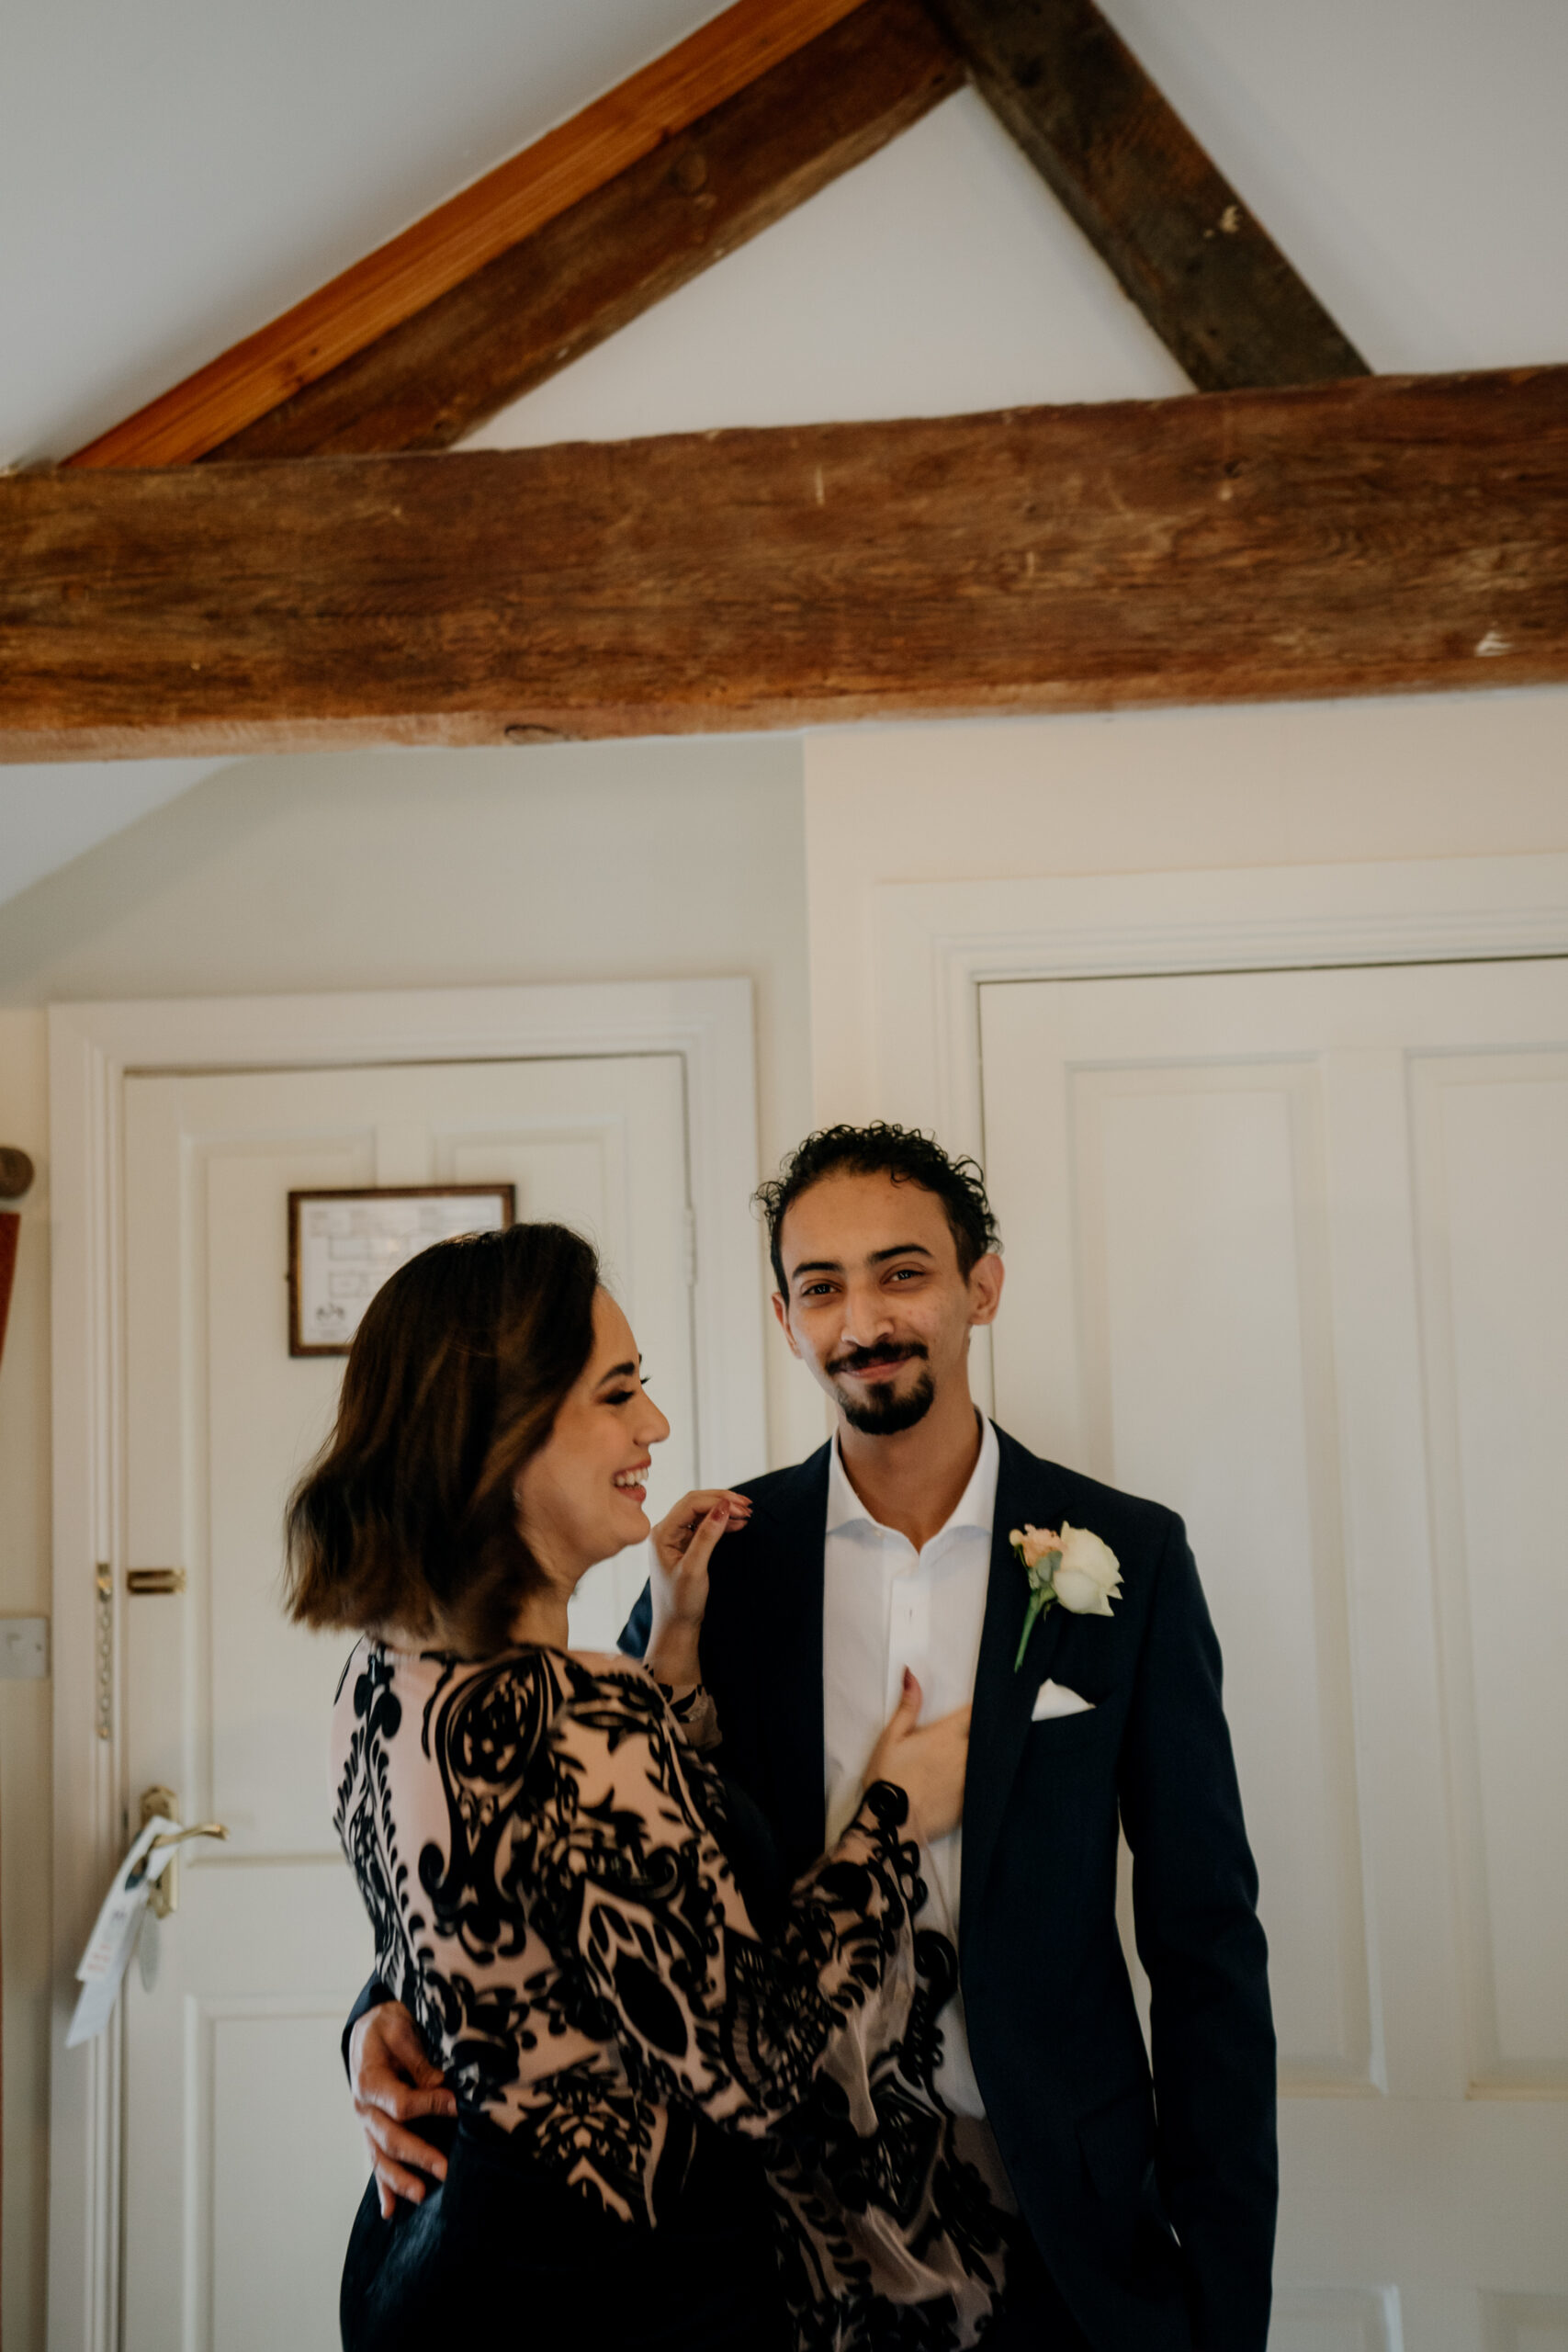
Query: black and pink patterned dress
(539, 1840)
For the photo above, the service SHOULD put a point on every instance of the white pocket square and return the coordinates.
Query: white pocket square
(1055, 1698)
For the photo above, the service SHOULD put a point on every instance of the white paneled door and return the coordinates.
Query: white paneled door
(243, 2162)
(1289, 1251)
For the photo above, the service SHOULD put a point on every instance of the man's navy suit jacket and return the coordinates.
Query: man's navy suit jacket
(1152, 2206)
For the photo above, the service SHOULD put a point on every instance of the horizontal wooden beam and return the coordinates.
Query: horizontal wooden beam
(1368, 538)
(449, 244)
(1203, 269)
(653, 226)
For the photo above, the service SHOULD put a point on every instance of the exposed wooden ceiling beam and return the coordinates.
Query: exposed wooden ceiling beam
(1206, 273)
(450, 243)
(616, 252)
(1356, 538)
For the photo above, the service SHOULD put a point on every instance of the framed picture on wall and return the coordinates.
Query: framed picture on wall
(344, 1245)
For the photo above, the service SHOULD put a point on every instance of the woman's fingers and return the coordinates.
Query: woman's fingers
(906, 1715)
(385, 2095)
(392, 2182)
(389, 2067)
(405, 2048)
(388, 2059)
(715, 1522)
(396, 2152)
(677, 1528)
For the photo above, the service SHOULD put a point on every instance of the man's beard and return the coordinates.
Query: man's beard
(885, 1414)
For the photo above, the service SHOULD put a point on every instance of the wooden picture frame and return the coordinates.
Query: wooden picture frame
(356, 1225)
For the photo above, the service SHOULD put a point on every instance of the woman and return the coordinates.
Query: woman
(541, 1849)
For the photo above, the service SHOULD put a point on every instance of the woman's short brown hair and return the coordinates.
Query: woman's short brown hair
(464, 1359)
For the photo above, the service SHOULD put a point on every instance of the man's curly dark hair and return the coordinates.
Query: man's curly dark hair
(882, 1149)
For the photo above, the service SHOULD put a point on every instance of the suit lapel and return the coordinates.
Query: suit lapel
(790, 1692)
(1004, 1698)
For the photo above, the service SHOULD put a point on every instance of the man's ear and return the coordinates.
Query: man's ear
(781, 1308)
(986, 1278)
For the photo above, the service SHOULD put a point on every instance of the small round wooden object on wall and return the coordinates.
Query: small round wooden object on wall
(16, 1172)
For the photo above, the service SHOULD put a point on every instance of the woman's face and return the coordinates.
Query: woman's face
(580, 1498)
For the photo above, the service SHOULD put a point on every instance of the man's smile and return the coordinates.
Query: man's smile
(876, 1364)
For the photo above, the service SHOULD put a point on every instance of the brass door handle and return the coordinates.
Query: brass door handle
(155, 1580)
(163, 1895)
(202, 1829)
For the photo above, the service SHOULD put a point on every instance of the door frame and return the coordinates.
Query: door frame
(92, 1049)
(936, 944)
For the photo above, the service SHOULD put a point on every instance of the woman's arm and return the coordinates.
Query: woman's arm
(682, 1545)
(638, 1903)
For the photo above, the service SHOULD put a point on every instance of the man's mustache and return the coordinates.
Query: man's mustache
(863, 1359)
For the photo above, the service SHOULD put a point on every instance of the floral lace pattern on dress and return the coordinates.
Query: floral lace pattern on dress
(534, 1838)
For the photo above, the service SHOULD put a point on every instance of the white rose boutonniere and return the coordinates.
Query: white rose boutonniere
(1070, 1565)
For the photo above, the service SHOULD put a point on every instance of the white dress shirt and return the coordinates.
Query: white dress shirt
(885, 1607)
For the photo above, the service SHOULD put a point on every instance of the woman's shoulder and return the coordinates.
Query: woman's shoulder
(387, 1687)
(491, 1713)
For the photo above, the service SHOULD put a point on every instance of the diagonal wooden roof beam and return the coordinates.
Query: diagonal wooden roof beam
(1366, 537)
(614, 252)
(533, 265)
(448, 245)
(1205, 272)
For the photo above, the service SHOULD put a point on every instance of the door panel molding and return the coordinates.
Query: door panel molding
(1504, 1890)
(1295, 1396)
(93, 1048)
(210, 2021)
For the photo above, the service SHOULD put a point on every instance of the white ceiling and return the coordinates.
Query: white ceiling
(173, 173)
(50, 815)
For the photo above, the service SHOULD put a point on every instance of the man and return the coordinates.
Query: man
(1146, 2211)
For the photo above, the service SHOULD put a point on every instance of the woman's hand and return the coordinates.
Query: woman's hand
(928, 1764)
(683, 1544)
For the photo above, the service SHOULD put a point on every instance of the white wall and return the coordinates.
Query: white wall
(1293, 784)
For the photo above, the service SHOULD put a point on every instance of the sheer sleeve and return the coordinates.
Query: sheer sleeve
(644, 1919)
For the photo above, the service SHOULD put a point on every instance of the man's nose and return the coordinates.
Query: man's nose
(867, 1315)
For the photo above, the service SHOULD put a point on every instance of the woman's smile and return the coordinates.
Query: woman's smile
(633, 1483)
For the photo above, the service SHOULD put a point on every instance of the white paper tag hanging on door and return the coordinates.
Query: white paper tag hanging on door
(113, 1938)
